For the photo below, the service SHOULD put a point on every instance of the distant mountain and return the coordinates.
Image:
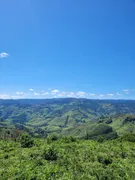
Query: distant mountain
(64, 116)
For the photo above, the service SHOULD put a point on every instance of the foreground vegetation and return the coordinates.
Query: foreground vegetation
(67, 158)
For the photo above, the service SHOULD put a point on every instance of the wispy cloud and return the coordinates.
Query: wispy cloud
(4, 96)
(31, 90)
(36, 94)
(62, 94)
(19, 93)
(4, 55)
(71, 94)
(81, 94)
(31, 93)
(101, 95)
(55, 91)
(17, 97)
(118, 94)
(128, 91)
(110, 95)
(92, 94)
(45, 93)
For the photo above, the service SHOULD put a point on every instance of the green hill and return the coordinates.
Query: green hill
(66, 116)
(108, 126)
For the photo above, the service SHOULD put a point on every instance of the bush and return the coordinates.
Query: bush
(109, 121)
(129, 119)
(26, 141)
(128, 137)
(100, 139)
(54, 137)
(111, 136)
(68, 139)
(50, 154)
(104, 160)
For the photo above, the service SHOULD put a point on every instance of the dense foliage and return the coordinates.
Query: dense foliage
(67, 158)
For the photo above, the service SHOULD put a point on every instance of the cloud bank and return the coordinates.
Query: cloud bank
(49, 93)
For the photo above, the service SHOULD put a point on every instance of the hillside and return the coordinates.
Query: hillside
(65, 116)
(106, 127)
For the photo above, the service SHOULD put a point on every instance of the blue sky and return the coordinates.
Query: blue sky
(71, 48)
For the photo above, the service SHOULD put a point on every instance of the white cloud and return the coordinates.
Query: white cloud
(110, 95)
(55, 91)
(92, 94)
(81, 94)
(4, 55)
(62, 94)
(31, 90)
(19, 93)
(71, 94)
(4, 96)
(17, 97)
(118, 94)
(36, 94)
(101, 95)
(128, 91)
(57, 94)
(66, 94)
(45, 93)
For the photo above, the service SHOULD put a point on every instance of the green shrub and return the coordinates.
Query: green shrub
(128, 137)
(50, 154)
(111, 136)
(129, 119)
(26, 141)
(54, 137)
(109, 121)
(100, 139)
(104, 160)
(68, 139)
(6, 156)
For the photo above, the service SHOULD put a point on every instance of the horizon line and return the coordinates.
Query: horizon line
(65, 98)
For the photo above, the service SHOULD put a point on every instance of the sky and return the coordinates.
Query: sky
(74, 48)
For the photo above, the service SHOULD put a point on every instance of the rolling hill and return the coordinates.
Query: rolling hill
(68, 116)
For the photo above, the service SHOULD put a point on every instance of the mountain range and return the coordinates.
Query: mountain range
(69, 116)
